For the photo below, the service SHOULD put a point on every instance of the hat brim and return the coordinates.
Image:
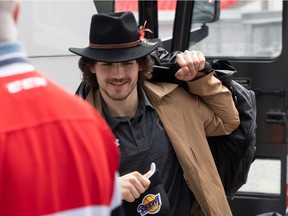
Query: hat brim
(118, 55)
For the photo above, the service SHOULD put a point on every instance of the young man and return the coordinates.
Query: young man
(157, 122)
(57, 155)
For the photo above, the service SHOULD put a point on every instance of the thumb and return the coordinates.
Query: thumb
(148, 174)
(151, 171)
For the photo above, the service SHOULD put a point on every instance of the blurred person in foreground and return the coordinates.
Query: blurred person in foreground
(57, 155)
(158, 123)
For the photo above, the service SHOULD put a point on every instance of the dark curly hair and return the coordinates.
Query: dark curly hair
(85, 65)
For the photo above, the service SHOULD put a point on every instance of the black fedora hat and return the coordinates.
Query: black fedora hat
(115, 37)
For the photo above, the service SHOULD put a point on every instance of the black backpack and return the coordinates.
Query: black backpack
(233, 153)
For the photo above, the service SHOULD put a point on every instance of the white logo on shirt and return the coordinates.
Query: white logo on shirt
(25, 84)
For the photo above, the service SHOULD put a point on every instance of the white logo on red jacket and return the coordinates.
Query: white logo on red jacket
(25, 84)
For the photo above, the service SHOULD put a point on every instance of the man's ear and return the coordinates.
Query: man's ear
(16, 12)
(92, 70)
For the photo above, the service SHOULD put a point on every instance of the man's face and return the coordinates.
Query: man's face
(117, 80)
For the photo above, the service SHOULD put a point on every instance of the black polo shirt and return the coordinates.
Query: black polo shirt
(143, 140)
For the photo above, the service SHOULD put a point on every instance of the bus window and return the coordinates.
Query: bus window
(246, 29)
(264, 177)
(166, 12)
(205, 11)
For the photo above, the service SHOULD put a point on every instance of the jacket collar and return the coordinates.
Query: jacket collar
(159, 90)
(13, 59)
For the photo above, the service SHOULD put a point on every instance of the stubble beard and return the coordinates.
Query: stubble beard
(118, 96)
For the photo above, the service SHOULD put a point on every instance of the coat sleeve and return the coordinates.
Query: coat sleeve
(221, 107)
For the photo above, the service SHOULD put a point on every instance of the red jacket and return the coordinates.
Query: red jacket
(57, 155)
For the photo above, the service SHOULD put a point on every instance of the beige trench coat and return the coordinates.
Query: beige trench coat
(188, 121)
